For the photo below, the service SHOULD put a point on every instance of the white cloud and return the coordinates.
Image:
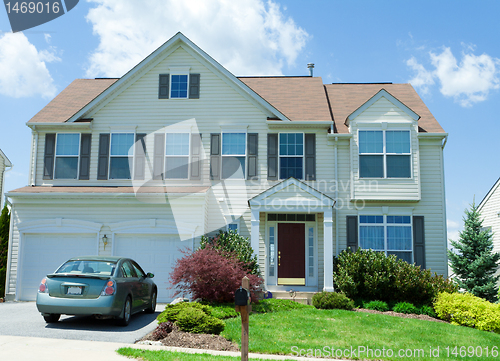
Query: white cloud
(453, 231)
(468, 82)
(248, 37)
(23, 71)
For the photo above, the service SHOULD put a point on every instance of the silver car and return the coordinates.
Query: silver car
(102, 286)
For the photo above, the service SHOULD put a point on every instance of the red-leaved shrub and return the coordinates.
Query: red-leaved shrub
(211, 275)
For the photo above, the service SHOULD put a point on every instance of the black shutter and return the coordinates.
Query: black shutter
(163, 87)
(419, 241)
(85, 156)
(352, 232)
(194, 86)
(215, 156)
(102, 166)
(195, 157)
(159, 156)
(310, 161)
(272, 157)
(49, 155)
(140, 157)
(252, 150)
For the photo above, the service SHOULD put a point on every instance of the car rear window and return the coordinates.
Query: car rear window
(103, 268)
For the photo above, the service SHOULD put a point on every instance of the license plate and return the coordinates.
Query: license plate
(74, 291)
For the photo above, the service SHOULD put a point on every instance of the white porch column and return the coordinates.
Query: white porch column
(254, 235)
(327, 250)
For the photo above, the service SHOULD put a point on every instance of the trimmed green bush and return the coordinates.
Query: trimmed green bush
(371, 275)
(223, 311)
(468, 310)
(427, 310)
(331, 300)
(405, 307)
(171, 311)
(194, 320)
(376, 305)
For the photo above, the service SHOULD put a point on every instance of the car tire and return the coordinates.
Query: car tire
(52, 318)
(152, 306)
(124, 318)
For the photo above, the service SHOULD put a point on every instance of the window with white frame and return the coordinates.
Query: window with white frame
(234, 227)
(179, 85)
(67, 154)
(272, 251)
(384, 154)
(177, 155)
(234, 151)
(121, 155)
(291, 155)
(388, 234)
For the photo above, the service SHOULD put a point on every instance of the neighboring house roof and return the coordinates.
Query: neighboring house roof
(73, 98)
(6, 160)
(52, 189)
(489, 194)
(345, 99)
(299, 98)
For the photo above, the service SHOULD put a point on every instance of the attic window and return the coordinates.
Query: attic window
(179, 85)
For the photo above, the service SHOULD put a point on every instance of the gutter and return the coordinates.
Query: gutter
(5, 200)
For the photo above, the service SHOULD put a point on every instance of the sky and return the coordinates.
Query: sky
(448, 50)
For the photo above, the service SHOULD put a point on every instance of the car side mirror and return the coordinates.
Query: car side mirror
(150, 275)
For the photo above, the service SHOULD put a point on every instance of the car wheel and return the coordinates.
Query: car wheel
(152, 306)
(124, 318)
(53, 317)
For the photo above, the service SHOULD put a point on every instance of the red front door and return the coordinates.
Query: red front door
(291, 254)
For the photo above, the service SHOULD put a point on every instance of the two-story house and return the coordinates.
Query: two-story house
(4, 163)
(179, 147)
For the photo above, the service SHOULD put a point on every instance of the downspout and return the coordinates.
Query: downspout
(336, 200)
(445, 226)
(34, 154)
(5, 200)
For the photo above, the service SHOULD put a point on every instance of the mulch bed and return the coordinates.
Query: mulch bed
(402, 315)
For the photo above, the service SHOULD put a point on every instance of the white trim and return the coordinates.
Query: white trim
(179, 70)
(59, 225)
(328, 250)
(153, 226)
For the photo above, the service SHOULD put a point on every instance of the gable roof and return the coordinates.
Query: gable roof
(299, 98)
(72, 99)
(488, 195)
(6, 160)
(345, 99)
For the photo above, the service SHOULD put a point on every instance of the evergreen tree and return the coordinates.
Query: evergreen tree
(4, 246)
(475, 263)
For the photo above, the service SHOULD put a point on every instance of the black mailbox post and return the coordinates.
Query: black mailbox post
(241, 297)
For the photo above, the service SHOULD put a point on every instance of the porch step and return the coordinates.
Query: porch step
(301, 297)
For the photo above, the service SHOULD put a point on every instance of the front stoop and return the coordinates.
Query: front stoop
(300, 297)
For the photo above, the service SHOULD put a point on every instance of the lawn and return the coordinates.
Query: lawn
(356, 335)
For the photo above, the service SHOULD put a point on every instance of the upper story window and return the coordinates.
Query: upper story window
(234, 147)
(384, 154)
(67, 153)
(181, 84)
(177, 155)
(388, 234)
(291, 155)
(121, 155)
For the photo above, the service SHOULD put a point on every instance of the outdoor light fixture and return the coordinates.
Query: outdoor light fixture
(105, 241)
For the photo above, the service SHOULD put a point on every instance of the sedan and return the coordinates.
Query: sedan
(107, 287)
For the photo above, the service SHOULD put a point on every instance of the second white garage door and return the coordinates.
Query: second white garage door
(154, 253)
(43, 253)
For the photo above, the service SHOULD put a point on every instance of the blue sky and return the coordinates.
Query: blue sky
(448, 50)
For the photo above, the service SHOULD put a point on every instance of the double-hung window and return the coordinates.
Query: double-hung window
(121, 155)
(384, 154)
(177, 155)
(388, 234)
(234, 151)
(291, 155)
(67, 153)
(179, 86)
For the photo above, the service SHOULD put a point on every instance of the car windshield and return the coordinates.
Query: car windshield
(102, 268)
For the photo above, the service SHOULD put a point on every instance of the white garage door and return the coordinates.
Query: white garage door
(43, 253)
(154, 253)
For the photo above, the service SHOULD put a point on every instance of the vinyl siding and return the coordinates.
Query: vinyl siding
(2, 171)
(489, 210)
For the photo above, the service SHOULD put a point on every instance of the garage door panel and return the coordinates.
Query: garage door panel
(154, 253)
(44, 253)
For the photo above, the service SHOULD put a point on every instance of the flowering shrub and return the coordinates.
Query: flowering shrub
(211, 275)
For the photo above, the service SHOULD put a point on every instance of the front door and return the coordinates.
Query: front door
(291, 254)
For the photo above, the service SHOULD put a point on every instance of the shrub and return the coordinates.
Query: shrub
(371, 275)
(171, 311)
(211, 275)
(232, 243)
(405, 307)
(162, 330)
(195, 320)
(4, 246)
(427, 310)
(376, 305)
(468, 310)
(274, 305)
(223, 310)
(331, 300)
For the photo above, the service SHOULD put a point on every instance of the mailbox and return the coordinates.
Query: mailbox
(242, 297)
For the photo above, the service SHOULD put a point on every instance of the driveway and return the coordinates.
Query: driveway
(23, 319)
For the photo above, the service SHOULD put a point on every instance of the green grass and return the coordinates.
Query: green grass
(311, 329)
(226, 310)
(172, 356)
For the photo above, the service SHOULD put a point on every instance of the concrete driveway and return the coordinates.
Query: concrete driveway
(23, 319)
